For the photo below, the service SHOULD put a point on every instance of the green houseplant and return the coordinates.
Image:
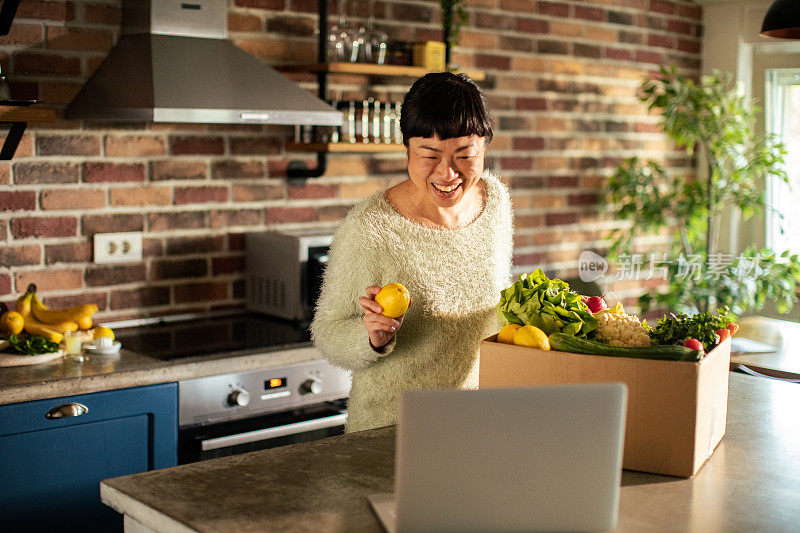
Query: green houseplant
(453, 16)
(712, 120)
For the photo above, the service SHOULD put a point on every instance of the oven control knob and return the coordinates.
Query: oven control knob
(239, 397)
(311, 386)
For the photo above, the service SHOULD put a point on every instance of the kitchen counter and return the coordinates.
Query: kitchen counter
(782, 334)
(750, 483)
(64, 377)
(166, 351)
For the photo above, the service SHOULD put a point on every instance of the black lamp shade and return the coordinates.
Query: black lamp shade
(782, 20)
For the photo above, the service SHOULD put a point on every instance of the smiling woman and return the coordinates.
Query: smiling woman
(444, 187)
(445, 233)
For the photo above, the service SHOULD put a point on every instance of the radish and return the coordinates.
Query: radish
(694, 344)
(596, 303)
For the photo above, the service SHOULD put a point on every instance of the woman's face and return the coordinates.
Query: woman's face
(444, 171)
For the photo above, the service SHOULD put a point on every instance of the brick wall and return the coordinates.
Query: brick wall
(561, 79)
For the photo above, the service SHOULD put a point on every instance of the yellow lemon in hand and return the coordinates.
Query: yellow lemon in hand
(506, 334)
(533, 337)
(102, 331)
(394, 298)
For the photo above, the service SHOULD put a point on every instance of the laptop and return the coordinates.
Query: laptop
(507, 459)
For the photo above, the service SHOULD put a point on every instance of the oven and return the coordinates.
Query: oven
(224, 415)
(230, 413)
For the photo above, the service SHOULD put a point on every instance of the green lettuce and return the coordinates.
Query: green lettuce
(548, 304)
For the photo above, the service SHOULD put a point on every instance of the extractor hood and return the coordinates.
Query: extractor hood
(173, 63)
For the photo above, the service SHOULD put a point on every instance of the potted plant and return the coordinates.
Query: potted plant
(712, 120)
(453, 16)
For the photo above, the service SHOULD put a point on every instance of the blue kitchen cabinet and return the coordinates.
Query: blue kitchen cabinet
(51, 468)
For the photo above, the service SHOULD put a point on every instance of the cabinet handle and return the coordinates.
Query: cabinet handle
(67, 409)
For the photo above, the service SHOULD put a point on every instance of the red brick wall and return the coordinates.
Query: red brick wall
(561, 78)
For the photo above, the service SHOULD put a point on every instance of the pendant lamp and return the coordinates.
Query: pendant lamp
(782, 20)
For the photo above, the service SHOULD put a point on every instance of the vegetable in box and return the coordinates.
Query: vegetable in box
(546, 303)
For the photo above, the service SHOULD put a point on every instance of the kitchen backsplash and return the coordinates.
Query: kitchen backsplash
(561, 79)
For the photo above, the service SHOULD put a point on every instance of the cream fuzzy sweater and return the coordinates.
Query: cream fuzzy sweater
(454, 276)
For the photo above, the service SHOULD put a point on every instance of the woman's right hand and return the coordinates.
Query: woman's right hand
(380, 328)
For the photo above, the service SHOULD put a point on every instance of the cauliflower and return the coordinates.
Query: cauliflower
(621, 330)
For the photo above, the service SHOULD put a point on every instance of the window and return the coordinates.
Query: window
(782, 112)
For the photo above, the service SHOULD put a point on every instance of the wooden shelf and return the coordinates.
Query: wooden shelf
(370, 70)
(17, 113)
(18, 117)
(344, 147)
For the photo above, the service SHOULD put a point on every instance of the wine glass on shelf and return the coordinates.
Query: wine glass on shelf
(359, 33)
(340, 36)
(375, 40)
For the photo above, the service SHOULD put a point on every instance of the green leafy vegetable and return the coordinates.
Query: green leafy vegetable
(546, 303)
(678, 329)
(31, 344)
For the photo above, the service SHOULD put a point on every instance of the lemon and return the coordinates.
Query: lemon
(506, 334)
(394, 298)
(533, 337)
(11, 323)
(102, 331)
(85, 322)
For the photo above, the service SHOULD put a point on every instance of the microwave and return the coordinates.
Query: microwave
(284, 272)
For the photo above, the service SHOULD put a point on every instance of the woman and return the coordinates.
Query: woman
(446, 234)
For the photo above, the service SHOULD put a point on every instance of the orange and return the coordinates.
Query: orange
(11, 323)
(394, 298)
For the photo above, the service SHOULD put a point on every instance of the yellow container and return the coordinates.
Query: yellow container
(429, 54)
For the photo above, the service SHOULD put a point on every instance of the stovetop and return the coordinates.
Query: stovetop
(233, 334)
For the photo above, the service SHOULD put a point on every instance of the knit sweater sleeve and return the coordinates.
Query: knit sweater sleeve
(338, 330)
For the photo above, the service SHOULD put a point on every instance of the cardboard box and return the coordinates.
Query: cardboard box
(429, 54)
(676, 410)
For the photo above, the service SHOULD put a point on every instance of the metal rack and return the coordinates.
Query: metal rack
(18, 117)
(7, 14)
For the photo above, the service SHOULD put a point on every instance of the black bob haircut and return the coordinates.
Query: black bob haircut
(447, 105)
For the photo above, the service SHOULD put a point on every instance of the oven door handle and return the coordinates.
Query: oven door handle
(272, 433)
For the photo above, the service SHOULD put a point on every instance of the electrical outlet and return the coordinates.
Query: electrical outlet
(118, 247)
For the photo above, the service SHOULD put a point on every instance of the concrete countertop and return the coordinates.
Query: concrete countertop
(315, 486)
(64, 377)
(749, 484)
(783, 335)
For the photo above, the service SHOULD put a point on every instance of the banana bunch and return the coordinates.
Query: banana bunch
(52, 323)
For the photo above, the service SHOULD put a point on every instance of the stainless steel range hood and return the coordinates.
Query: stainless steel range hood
(173, 63)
